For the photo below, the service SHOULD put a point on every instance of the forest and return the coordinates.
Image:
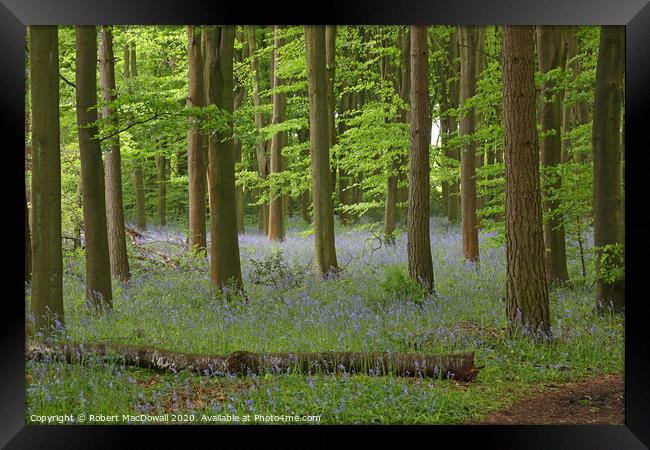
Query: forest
(324, 224)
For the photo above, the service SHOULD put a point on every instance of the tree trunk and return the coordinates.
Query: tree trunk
(480, 149)
(259, 124)
(46, 304)
(240, 94)
(98, 267)
(607, 198)
(278, 141)
(390, 209)
(320, 151)
(330, 63)
(549, 50)
(346, 180)
(570, 44)
(113, 164)
(527, 304)
(304, 206)
(195, 153)
(419, 246)
(224, 245)
(131, 71)
(161, 184)
(454, 101)
(458, 367)
(468, 44)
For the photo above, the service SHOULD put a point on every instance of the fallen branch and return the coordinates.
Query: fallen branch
(241, 363)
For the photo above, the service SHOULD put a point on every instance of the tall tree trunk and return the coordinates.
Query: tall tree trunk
(240, 94)
(454, 101)
(468, 44)
(330, 64)
(46, 304)
(113, 163)
(28, 155)
(390, 209)
(224, 245)
(480, 67)
(161, 184)
(607, 198)
(195, 153)
(131, 71)
(346, 180)
(320, 151)
(570, 44)
(527, 304)
(419, 245)
(98, 267)
(549, 50)
(278, 141)
(262, 162)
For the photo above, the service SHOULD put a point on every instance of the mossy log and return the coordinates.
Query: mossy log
(242, 363)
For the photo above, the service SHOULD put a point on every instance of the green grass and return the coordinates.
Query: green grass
(369, 308)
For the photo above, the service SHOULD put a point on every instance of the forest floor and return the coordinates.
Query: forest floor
(594, 401)
(372, 305)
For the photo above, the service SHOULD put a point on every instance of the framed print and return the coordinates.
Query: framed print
(415, 216)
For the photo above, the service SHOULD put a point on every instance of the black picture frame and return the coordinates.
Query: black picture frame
(635, 14)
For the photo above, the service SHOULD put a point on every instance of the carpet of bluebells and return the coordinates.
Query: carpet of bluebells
(371, 306)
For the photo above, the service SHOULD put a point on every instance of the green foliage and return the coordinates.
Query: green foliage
(398, 285)
(274, 271)
(611, 261)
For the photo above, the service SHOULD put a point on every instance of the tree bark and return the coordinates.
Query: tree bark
(549, 50)
(453, 73)
(241, 363)
(195, 153)
(98, 267)
(224, 245)
(161, 184)
(46, 304)
(404, 83)
(131, 71)
(278, 141)
(320, 151)
(240, 94)
(527, 304)
(262, 163)
(113, 164)
(468, 43)
(419, 245)
(330, 63)
(606, 143)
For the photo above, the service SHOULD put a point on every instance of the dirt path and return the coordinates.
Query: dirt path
(597, 401)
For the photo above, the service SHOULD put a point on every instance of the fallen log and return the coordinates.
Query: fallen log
(241, 363)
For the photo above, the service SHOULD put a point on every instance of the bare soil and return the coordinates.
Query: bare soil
(595, 401)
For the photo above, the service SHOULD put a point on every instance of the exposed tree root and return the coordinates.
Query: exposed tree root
(241, 363)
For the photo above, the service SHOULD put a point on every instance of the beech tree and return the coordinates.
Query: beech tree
(607, 197)
(225, 265)
(278, 141)
(419, 245)
(468, 37)
(98, 268)
(404, 87)
(113, 163)
(196, 163)
(527, 303)
(46, 304)
(549, 51)
(261, 152)
(131, 71)
(319, 141)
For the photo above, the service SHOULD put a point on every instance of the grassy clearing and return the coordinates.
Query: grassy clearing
(372, 307)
